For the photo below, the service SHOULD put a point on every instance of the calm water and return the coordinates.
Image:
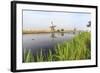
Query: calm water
(36, 42)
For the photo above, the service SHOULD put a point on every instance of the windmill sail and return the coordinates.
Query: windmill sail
(52, 27)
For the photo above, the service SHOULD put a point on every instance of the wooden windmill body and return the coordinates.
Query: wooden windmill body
(52, 27)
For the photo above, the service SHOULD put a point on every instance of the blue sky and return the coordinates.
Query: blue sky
(65, 20)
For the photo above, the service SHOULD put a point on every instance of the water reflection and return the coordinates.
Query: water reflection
(35, 42)
(54, 35)
(62, 34)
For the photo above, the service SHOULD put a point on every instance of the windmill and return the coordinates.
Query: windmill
(52, 27)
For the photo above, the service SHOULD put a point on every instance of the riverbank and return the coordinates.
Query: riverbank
(79, 48)
(43, 32)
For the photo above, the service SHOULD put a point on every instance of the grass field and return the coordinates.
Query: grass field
(79, 48)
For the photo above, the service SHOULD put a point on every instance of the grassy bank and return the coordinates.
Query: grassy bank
(79, 48)
(45, 31)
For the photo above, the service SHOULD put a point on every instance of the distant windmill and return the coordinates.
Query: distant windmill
(52, 27)
(74, 31)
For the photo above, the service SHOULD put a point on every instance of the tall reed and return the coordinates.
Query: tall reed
(79, 48)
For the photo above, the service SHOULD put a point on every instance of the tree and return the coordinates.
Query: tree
(58, 30)
(89, 24)
(62, 29)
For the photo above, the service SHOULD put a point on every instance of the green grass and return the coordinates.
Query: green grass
(79, 48)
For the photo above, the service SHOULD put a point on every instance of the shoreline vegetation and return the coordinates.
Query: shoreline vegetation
(79, 48)
(45, 31)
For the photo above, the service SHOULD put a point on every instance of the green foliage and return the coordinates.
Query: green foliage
(79, 48)
(39, 57)
(62, 29)
(58, 30)
(28, 57)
